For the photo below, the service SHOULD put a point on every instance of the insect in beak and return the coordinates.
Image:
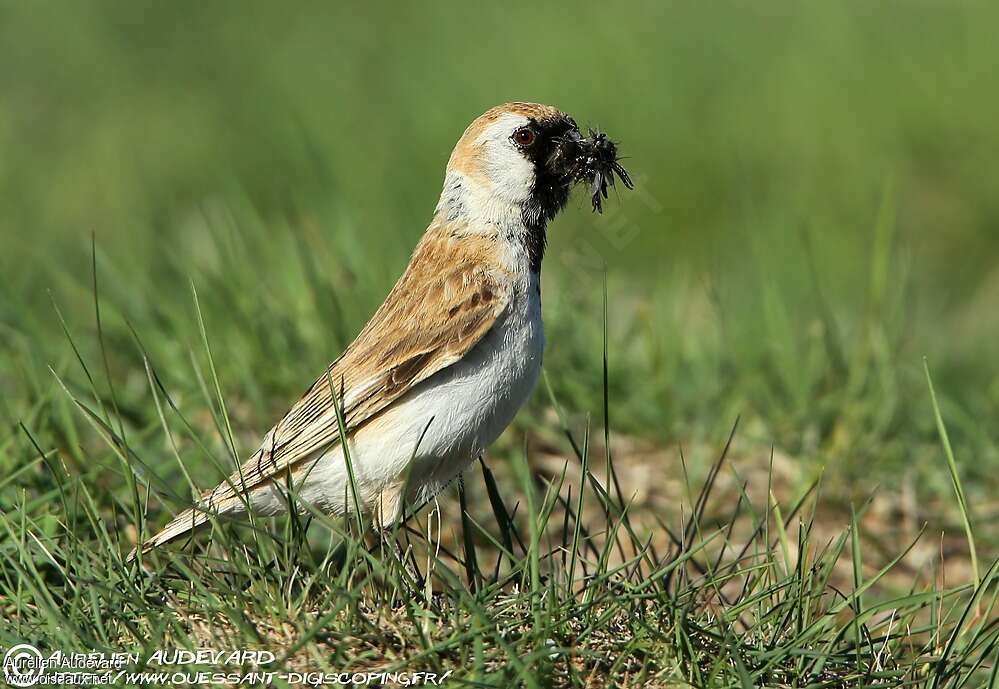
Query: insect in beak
(597, 164)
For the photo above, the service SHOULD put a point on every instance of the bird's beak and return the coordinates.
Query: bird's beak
(566, 156)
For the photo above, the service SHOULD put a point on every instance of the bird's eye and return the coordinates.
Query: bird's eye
(524, 137)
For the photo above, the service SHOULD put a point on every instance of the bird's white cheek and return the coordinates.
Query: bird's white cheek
(511, 174)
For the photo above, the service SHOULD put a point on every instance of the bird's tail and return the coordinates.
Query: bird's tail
(181, 525)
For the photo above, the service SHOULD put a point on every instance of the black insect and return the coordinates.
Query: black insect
(598, 165)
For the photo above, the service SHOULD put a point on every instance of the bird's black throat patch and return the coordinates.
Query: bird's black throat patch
(552, 156)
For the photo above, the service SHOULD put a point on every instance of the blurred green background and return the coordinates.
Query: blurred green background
(817, 210)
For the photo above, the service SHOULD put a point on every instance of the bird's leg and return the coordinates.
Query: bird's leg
(403, 556)
(387, 514)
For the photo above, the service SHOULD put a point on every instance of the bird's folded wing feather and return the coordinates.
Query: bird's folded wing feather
(449, 297)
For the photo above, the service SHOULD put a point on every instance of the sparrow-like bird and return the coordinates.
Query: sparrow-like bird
(445, 363)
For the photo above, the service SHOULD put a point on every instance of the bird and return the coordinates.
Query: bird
(455, 350)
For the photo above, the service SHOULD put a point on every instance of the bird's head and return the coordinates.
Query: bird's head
(521, 160)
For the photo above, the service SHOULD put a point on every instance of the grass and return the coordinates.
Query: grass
(571, 582)
(192, 229)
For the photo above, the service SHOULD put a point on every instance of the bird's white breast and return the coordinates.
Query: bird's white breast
(465, 407)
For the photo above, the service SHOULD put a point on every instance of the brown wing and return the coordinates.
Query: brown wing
(448, 298)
